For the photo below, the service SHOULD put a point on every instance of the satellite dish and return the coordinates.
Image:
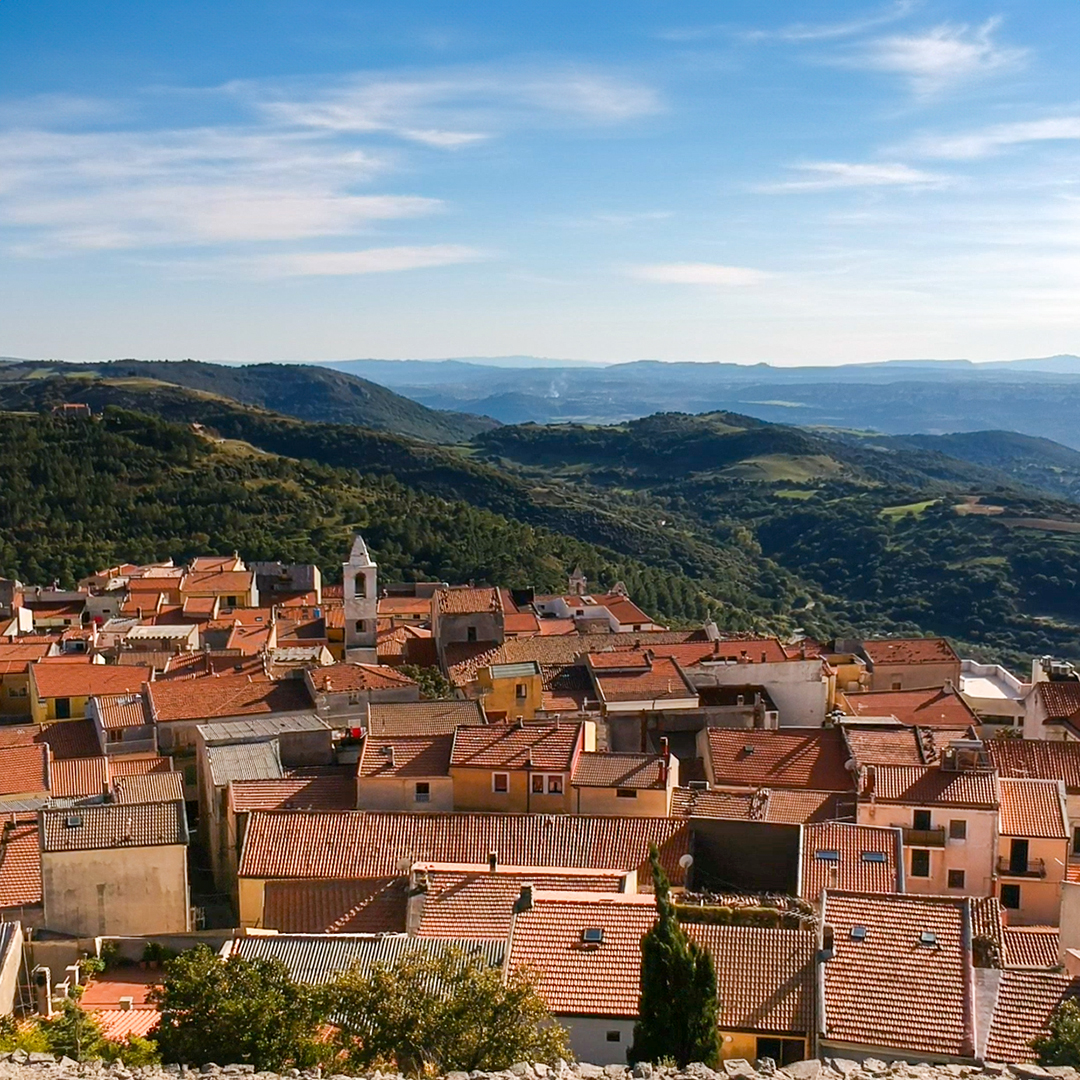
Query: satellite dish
(686, 861)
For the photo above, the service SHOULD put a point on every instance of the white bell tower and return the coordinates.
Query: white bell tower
(361, 591)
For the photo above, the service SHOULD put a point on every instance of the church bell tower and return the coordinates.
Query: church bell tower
(361, 591)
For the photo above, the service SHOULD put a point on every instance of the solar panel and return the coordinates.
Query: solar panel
(874, 856)
(827, 855)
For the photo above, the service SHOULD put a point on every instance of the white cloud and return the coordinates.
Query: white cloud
(978, 144)
(947, 55)
(350, 263)
(700, 274)
(829, 175)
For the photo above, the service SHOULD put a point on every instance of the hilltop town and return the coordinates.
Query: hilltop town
(235, 753)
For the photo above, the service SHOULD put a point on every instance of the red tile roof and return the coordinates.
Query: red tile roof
(149, 787)
(20, 863)
(1033, 808)
(515, 746)
(405, 605)
(220, 582)
(910, 651)
(884, 745)
(566, 686)
(1031, 946)
(80, 777)
(118, 1025)
(1025, 1001)
(370, 844)
(521, 623)
(114, 825)
(886, 988)
(909, 785)
(88, 680)
(224, 695)
(24, 769)
(834, 856)
(603, 770)
(367, 906)
(472, 902)
(70, 738)
(341, 678)
(422, 717)
(1037, 758)
(468, 601)
(1061, 700)
(658, 680)
(295, 793)
(118, 711)
(405, 755)
(763, 804)
(810, 758)
(138, 765)
(928, 708)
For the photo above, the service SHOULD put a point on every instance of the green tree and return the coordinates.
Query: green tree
(74, 1032)
(1061, 1043)
(234, 1011)
(446, 1011)
(677, 1010)
(434, 685)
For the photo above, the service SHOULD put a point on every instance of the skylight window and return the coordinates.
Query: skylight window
(874, 856)
(827, 855)
(74, 821)
(592, 935)
(928, 938)
(858, 933)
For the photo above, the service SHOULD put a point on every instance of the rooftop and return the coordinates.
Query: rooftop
(422, 717)
(20, 863)
(342, 678)
(605, 770)
(1038, 759)
(1061, 700)
(762, 804)
(516, 746)
(812, 758)
(910, 651)
(468, 601)
(114, 825)
(1025, 1001)
(244, 761)
(1031, 947)
(635, 679)
(861, 858)
(149, 787)
(1033, 808)
(405, 755)
(118, 711)
(224, 695)
(908, 785)
(319, 792)
(88, 680)
(79, 777)
(24, 769)
(936, 707)
(374, 905)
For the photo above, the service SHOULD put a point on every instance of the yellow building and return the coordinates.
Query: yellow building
(62, 690)
(511, 691)
(234, 588)
(624, 785)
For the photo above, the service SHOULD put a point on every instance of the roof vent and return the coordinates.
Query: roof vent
(858, 933)
(592, 935)
(928, 938)
(827, 855)
(748, 748)
(874, 856)
(73, 821)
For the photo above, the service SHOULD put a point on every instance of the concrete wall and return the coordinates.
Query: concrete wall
(473, 791)
(1040, 898)
(798, 688)
(399, 793)
(487, 624)
(915, 676)
(605, 802)
(116, 891)
(9, 972)
(589, 1038)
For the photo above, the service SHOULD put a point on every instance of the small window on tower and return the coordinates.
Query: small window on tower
(360, 586)
(361, 626)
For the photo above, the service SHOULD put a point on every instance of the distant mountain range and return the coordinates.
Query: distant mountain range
(1039, 397)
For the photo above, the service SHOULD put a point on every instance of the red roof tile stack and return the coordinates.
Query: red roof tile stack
(24, 769)
(20, 863)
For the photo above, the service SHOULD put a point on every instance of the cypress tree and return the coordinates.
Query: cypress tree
(677, 1009)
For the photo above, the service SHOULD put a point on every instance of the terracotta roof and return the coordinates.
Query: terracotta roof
(1025, 1001)
(1033, 808)
(191, 665)
(200, 605)
(1031, 946)
(118, 1024)
(370, 844)
(204, 699)
(150, 787)
(516, 746)
(1061, 700)
(605, 770)
(405, 605)
(763, 804)
(884, 745)
(743, 650)
(336, 792)
(341, 678)
(70, 739)
(566, 686)
(928, 708)
(88, 680)
(764, 975)
(909, 785)
(17, 657)
(459, 600)
(405, 755)
(472, 902)
(910, 651)
(987, 922)
(20, 863)
(659, 680)
(789, 758)
(235, 582)
(1037, 758)
(521, 623)
(885, 987)
(367, 906)
(118, 711)
(24, 769)
(249, 640)
(114, 825)
(138, 764)
(79, 777)
(422, 717)
(213, 563)
(860, 858)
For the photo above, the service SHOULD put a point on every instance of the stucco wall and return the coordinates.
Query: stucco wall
(9, 972)
(399, 793)
(588, 1038)
(797, 687)
(473, 791)
(915, 676)
(116, 891)
(606, 802)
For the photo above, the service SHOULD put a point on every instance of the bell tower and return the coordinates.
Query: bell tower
(361, 592)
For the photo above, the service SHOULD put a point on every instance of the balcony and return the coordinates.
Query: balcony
(1033, 868)
(925, 837)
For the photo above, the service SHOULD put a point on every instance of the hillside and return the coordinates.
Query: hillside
(301, 390)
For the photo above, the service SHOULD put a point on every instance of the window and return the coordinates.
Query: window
(957, 829)
(423, 791)
(875, 857)
(921, 820)
(1010, 897)
(626, 793)
(827, 855)
(897, 686)
(782, 1051)
(230, 601)
(592, 935)
(521, 691)
(554, 785)
(63, 708)
(500, 782)
(614, 1036)
(360, 587)
(538, 783)
(1076, 841)
(956, 879)
(360, 626)
(470, 633)
(920, 863)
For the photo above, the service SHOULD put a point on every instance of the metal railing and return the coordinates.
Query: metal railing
(1032, 868)
(925, 837)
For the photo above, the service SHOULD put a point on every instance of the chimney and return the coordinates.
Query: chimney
(525, 900)
(126, 1003)
(493, 861)
(390, 756)
(42, 978)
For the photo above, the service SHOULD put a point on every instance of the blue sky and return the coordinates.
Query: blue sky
(789, 182)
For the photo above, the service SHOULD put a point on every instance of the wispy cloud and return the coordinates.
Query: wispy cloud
(829, 175)
(941, 58)
(700, 274)
(983, 143)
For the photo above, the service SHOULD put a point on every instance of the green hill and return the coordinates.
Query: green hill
(301, 390)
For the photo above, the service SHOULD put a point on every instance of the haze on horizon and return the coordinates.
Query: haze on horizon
(797, 183)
